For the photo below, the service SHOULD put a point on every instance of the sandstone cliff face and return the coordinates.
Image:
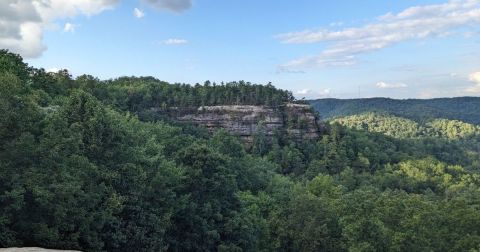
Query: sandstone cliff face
(297, 121)
(302, 122)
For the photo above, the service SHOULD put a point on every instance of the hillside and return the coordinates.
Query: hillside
(102, 165)
(461, 108)
(405, 128)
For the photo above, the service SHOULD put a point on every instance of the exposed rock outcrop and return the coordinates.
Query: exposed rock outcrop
(297, 121)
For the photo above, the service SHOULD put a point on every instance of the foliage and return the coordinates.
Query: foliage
(80, 170)
(460, 108)
(404, 128)
(144, 93)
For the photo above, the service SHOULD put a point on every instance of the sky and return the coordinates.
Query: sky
(316, 49)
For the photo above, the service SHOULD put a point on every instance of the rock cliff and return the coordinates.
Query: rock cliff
(297, 121)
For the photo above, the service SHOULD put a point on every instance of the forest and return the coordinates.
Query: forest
(458, 108)
(81, 169)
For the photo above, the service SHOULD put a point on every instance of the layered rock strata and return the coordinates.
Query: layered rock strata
(297, 121)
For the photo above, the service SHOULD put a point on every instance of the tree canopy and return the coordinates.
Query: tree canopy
(79, 169)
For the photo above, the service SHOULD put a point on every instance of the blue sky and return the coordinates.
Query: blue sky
(343, 49)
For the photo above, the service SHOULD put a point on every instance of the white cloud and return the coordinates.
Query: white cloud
(475, 78)
(69, 27)
(336, 24)
(303, 91)
(413, 23)
(22, 22)
(382, 84)
(171, 5)
(174, 41)
(138, 13)
(312, 94)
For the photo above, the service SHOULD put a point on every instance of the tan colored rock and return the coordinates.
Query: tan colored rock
(296, 120)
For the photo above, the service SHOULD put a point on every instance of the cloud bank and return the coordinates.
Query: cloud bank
(413, 23)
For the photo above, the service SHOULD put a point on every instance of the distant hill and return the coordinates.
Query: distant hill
(399, 127)
(466, 109)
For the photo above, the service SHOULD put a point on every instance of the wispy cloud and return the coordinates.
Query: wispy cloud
(138, 13)
(383, 84)
(174, 41)
(475, 78)
(171, 5)
(69, 27)
(405, 68)
(417, 22)
(289, 71)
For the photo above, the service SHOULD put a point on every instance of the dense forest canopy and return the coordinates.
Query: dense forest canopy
(460, 108)
(140, 93)
(80, 170)
(405, 128)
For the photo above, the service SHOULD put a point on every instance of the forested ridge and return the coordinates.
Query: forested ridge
(81, 168)
(459, 108)
(405, 128)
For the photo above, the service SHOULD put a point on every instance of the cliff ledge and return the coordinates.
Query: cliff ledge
(297, 121)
